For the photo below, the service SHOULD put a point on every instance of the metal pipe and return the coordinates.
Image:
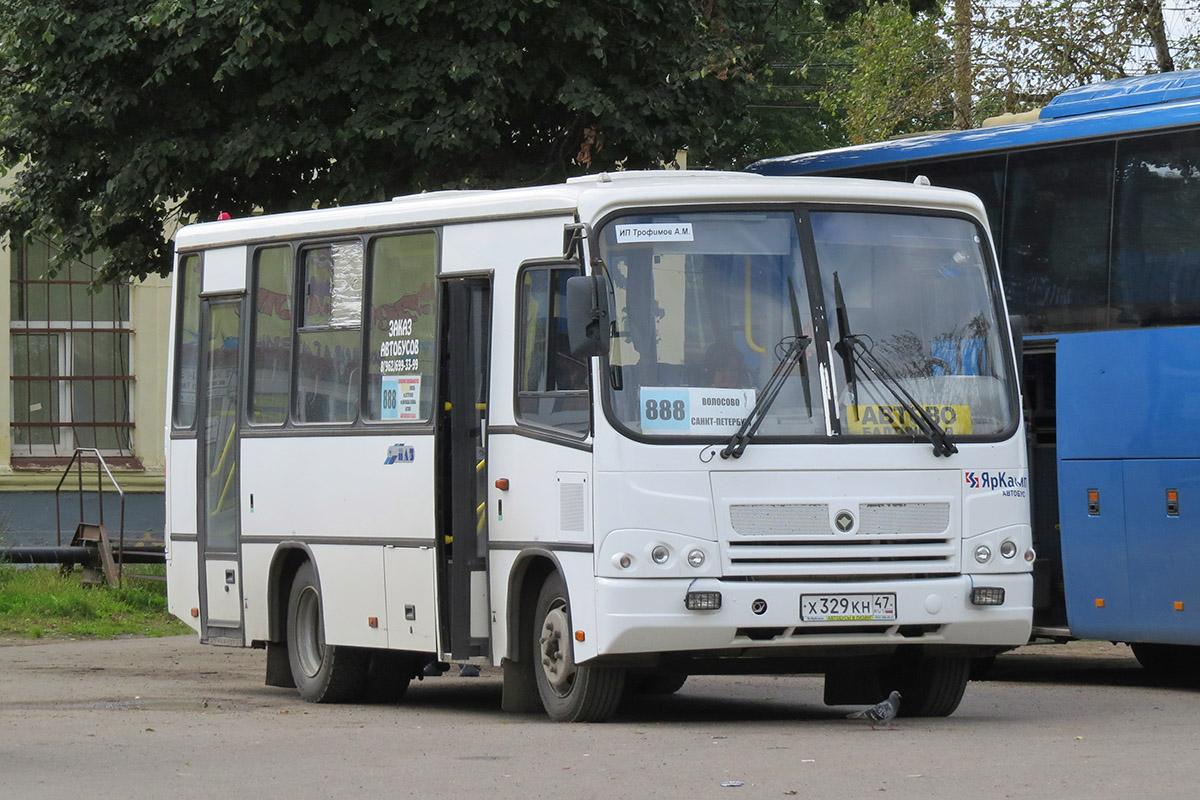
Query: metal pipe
(88, 556)
(50, 555)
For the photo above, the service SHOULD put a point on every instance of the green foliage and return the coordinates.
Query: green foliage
(842, 10)
(38, 601)
(1028, 51)
(130, 116)
(901, 79)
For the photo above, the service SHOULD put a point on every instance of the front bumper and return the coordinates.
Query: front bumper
(648, 615)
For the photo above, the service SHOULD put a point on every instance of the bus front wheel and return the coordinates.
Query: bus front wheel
(570, 692)
(323, 673)
(930, 686)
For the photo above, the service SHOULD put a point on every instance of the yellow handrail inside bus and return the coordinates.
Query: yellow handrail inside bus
(225, 488)
(749, 316)
(224, 452)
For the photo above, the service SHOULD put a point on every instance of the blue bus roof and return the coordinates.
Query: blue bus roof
(1128, 105)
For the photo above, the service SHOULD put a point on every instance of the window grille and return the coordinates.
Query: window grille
(71, 383)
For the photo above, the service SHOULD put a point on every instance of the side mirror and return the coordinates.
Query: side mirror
(588, 318)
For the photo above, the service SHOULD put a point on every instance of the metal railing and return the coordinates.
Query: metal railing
(102, 543)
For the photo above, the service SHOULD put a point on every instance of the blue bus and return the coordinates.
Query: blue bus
(1094, 203)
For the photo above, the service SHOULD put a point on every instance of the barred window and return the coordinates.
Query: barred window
(70, 380)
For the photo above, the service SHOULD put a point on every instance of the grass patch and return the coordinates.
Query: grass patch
(37, 602)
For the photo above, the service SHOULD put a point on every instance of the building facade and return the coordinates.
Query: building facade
(85, 369)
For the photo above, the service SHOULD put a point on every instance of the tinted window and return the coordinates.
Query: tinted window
(983, 177)
(1156, 275)
(1056, 233)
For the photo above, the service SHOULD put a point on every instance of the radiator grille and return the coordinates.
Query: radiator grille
(885, 518)
(799, 539)
(781, 519)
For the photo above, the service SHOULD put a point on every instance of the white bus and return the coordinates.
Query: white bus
(604, 435)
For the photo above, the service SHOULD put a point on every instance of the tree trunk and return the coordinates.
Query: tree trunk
(1156, 27)
(963, 111)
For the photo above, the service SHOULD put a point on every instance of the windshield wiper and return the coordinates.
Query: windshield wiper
(865, 359)
(843, 347)
(793, 354)
(853, 351)
(802, 362)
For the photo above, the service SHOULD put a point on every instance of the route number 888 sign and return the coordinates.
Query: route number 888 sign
(693, 410)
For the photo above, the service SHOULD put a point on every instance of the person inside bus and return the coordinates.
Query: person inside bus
(724, 367)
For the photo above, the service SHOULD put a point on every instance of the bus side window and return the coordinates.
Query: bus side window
(552, 384)
(271, 341)
(187, 342)
(402, 327)
(329, 361)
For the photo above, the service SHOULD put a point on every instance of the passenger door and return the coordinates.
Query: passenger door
(218, 454)
(462, 473)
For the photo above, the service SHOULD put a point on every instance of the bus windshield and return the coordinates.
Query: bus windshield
(709, 303)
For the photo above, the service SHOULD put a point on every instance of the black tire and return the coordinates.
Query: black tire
(388, 676)
(982, 667)
(661, 683)
(1174, 660)
(570, 692)
(323, 673)
(929, 686)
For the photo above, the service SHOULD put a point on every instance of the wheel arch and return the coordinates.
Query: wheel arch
(530, 570)
(288, 558)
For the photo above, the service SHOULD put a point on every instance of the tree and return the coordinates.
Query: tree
(132, 116)
(1027, 51)
(905, 72)
(901, 78)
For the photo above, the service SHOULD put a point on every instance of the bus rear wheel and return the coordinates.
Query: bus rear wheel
(1168, 659)
(660, 683)
(570, 692)
(323, 673)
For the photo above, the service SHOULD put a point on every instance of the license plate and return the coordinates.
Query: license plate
(847, 607)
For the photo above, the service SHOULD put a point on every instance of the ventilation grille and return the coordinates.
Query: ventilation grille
(876, 519)
(790, 519)
(571, 505)
(798, 539)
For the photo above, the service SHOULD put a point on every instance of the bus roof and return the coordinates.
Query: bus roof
(588, 198)
(1127, 105)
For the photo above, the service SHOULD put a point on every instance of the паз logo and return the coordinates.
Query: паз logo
(400, 452)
